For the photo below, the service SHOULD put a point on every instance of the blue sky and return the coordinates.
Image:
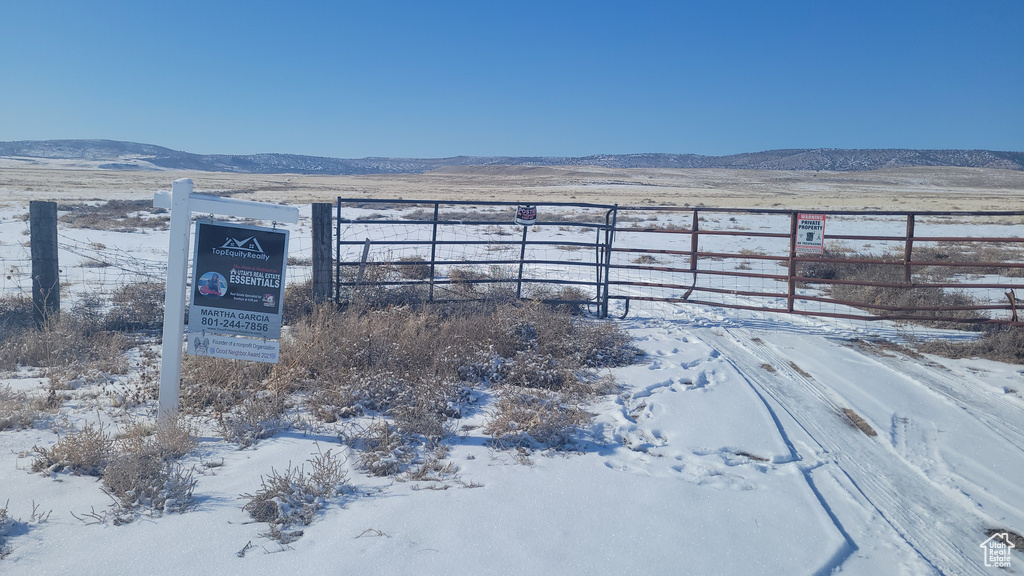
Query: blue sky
(569, 78)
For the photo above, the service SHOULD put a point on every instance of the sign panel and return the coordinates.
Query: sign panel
(233, 347)
(810, 233)
(526, 215)
(237, 280)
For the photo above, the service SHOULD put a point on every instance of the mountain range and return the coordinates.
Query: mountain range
(115, 155)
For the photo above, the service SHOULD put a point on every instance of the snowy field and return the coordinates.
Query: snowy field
(727, 450)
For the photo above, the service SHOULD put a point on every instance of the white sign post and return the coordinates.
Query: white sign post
(182, 203)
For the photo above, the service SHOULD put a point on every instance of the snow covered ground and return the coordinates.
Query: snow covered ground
(728, 450)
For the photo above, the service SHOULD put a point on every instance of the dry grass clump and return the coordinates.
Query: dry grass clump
(496, 283)
(19, 410)
(143, 475)
(465, 274)
(969, 252)
(296, 496)
(385, 451)
(257, 417)
(433, 469)
(413, 267)
(376, 358)
(171, 440)
(143, 471)
(1000, 342)
(217, 384)
(136, 306)
(570, 299)
(411, 368)
(423, 410)
(534, 418)
(907, 300)
(138, 469)
(6, 527)
(15, 316)
(68, 345)
(298, 301)
(415, 369)
(81, 340)
(10, 527)
(378, 289)
(85, 451)
(116, 215)
(532, 370)
(131, 307)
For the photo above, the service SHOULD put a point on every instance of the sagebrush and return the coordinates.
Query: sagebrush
(296, 496)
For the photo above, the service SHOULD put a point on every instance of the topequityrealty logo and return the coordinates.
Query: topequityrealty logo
(245, 248)
(997, 550)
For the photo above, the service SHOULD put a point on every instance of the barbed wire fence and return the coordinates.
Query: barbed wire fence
(96, 262)
(963, 267)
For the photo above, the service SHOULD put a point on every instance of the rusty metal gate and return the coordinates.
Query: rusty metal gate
(936, 267)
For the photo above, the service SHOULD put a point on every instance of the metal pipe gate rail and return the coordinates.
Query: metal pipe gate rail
(916, 262)
(701, 258)
(440, 248)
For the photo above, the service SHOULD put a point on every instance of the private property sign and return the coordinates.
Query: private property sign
(810, 233)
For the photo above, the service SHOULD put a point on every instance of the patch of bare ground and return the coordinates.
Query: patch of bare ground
(1000, 342)
(890, 349)
(857, 422)
(1016, 539)
(800, 370)
(880, 347)
(750, 456)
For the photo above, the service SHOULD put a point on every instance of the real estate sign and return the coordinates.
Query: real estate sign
(237, 286)
(810, 233)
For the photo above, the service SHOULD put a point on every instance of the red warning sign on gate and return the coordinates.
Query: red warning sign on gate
(810, 233)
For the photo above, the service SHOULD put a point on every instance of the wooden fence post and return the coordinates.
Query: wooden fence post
(45, 267)
(322, 250)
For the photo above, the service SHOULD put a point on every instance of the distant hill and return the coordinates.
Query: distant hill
(113, 155)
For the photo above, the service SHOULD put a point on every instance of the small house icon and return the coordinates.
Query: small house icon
(997, 550)
(250, 244)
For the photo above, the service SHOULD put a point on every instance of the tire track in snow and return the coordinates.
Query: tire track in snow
(995, 413)
(938, 527)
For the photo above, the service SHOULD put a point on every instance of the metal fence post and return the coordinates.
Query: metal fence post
(908, 249)
(522, 257)
(609, 238)
(791, 291)
(45, 265)
(433, 249)
(599, 256)
(337, 264)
